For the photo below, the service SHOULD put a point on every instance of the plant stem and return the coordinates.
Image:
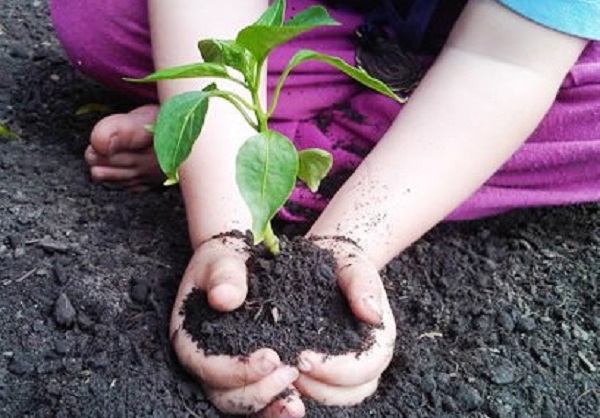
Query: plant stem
(271, 240)
(240, 99)
(261, 116)
(234, 101)
(277, 90)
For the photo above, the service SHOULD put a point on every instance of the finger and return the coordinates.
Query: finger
(227, 285)
(219, 269)
(352, 369)
(335, 395)
(360, 282)
(256, 396)
(220, 371)
(289, 407)
(145, 158)
(112, 174)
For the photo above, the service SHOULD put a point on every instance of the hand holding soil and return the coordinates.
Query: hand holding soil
(235, 385)
(348, 379)
(249, 382)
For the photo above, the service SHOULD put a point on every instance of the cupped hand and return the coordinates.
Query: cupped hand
(348, 379)
(235, 385)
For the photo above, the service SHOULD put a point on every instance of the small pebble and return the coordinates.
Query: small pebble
(19, 51)
(59, 274)
(502, 374)
(526, 325)
(62, 347)
(85, 322)
(64, 313)
(449, 405)
(139, 292)
(469, 398)
(20, 366)
(428, 384)
(49, 366)
(506, 321)
(580, 334)
(52, 246)
(324, 273)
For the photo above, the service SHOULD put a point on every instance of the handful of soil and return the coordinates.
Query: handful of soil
(293, 304)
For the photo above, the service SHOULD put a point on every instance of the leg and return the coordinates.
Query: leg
(112, 45)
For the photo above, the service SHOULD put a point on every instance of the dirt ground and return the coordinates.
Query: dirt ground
(497, 318)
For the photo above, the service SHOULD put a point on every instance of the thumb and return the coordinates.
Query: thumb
(360, 282)
(227, 285)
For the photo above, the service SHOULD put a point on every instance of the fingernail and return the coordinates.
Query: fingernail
(373, 306)
(287, 374)
(304, 365)
(112, 144)
(267, 366)
(92, 157)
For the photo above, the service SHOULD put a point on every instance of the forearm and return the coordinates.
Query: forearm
(207, 178)
(470, 113)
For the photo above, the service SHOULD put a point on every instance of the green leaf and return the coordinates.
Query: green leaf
(312, 17)
(273, 16)
(356, 73)
(230, 54)
(151, 128)
(4, 131)
(262, 39)
(198, 69)
(266, 171)
(178, 125)
(93, 108)
(315, 163)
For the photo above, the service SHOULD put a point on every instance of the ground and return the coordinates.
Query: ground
(497, 318)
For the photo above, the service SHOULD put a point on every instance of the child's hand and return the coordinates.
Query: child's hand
(348, 379)
(234, 386)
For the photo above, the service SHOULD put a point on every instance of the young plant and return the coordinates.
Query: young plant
(4, 131)
(268, 164)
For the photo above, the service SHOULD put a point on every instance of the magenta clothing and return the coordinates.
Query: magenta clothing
(321, 107)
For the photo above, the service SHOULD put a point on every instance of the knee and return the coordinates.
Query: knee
(106, 40)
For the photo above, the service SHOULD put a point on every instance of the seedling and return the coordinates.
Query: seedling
(267, 163)
(4, 131)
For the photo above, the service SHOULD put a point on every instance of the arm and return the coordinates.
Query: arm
(212, 200)
(214, 205)
(487, 91)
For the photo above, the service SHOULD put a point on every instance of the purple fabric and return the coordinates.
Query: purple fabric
(320, 107)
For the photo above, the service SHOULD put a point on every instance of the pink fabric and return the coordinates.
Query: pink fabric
(320, 107)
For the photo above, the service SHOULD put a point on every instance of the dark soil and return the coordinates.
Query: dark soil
(498, 318)
(293, 304)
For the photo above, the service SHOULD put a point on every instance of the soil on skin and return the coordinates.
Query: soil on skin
(293, 304)
(497, 318)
